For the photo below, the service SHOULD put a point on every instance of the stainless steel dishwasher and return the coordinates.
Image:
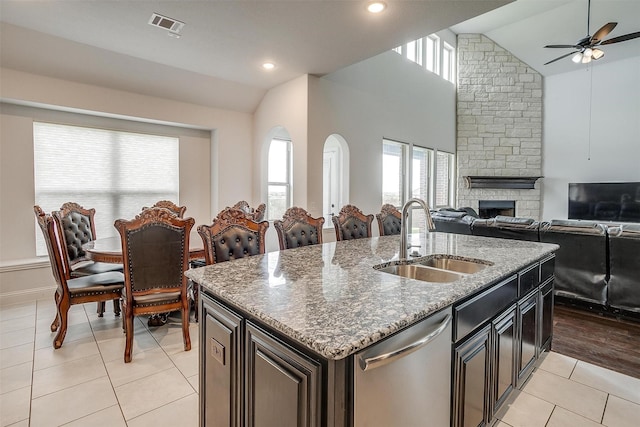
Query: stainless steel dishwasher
(405, 380)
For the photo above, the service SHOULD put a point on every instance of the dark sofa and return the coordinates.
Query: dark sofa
(597, 265)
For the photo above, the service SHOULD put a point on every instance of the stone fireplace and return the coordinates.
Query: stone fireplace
(499, 126)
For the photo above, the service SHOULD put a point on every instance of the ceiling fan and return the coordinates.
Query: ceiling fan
(588, 47)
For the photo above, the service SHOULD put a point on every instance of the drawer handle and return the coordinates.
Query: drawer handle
(373, 362)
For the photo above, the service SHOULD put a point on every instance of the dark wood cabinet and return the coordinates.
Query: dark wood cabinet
(504, 335)
(546, 314)
(472, 379)
(498, 336)
(248, 377)
(527, 334)
(282, 385)
(221, 341)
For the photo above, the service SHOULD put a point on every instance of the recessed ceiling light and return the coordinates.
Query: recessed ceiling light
(268, 65)
(376, 6)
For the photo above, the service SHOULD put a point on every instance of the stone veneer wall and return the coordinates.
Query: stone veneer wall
(499, 116)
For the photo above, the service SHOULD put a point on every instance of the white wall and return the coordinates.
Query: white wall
(201, 190)
(382, 97)
(591, 130)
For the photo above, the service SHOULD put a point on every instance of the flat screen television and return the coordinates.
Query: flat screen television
(605, 201)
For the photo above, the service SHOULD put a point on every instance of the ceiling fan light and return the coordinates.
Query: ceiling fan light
(588, 52)
(586, 59)
(577, 58)
(597, 54)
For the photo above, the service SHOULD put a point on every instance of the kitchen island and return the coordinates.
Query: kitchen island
(291, 323)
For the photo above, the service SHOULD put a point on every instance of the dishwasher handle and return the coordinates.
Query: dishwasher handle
(368, 363)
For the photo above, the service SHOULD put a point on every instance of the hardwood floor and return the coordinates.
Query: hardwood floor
(604, 341)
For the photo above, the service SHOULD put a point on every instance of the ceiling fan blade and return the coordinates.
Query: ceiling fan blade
(563, 46)
(622, 38)
(602, 32)
(560, 57)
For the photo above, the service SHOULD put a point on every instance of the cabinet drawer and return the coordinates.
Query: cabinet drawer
(528, 279)
(481, 308)
(546, 268)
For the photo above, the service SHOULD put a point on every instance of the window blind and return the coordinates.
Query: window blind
(115, 172)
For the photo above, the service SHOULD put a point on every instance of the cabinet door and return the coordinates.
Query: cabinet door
(282, 385)
(546, 313)
(504, 359)
(472, 380)
(220, 365)
(527, 331)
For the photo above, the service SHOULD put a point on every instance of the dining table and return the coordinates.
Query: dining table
(109, 249)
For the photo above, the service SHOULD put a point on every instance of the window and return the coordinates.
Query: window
(414, 51)
(433, 53)
(394, 155)
(115, 172)
(279, 178)
(448, 62)
(396, 188)
(444, 179)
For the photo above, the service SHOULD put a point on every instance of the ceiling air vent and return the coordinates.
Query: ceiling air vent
(166, 23)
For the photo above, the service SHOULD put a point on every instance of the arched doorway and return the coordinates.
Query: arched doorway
(335, 177)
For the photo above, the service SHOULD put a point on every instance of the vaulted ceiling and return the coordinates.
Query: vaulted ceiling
(217, 60)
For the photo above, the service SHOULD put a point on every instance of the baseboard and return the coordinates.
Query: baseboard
(599, 309)
(28, 295)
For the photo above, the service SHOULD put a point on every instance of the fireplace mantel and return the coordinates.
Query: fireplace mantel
(506, 182)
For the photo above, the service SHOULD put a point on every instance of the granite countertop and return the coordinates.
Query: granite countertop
(329, 298)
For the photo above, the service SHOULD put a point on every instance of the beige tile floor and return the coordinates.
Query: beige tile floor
(86, 382)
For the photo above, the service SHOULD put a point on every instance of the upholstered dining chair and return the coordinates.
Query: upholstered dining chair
(232, 235)
(76, 226)
(97, 287)
(298, 228)
(155, 251)
(351, 223)
(389, 220)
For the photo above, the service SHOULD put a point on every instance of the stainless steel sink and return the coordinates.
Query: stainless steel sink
(421, 272)
(452, 264)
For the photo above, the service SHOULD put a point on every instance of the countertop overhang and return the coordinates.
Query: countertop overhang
(330, 299)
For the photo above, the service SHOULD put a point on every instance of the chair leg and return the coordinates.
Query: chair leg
(185, 325)
(63, 311)
(56, 321)
(116, 306)
(128, 330)
(101, 308)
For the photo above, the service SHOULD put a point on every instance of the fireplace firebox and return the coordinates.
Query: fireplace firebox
(493, 208)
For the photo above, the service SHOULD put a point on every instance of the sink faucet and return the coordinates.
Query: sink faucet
(404, 249)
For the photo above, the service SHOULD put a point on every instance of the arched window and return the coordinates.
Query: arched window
(278, 178)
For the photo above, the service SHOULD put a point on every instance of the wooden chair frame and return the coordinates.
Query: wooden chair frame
(386, 210)
(256, 214)
(70, 291)
(347, 212)
(156, 216)
(293, 216)
(177, 210)
(76, 265)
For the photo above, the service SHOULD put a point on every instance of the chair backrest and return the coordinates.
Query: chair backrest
(256, 214)
(177, 210)
(351, 223)
(298, 228)
(75, 227)
(59, 263)
(389, 220)
(155, 251)
(232, 235)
